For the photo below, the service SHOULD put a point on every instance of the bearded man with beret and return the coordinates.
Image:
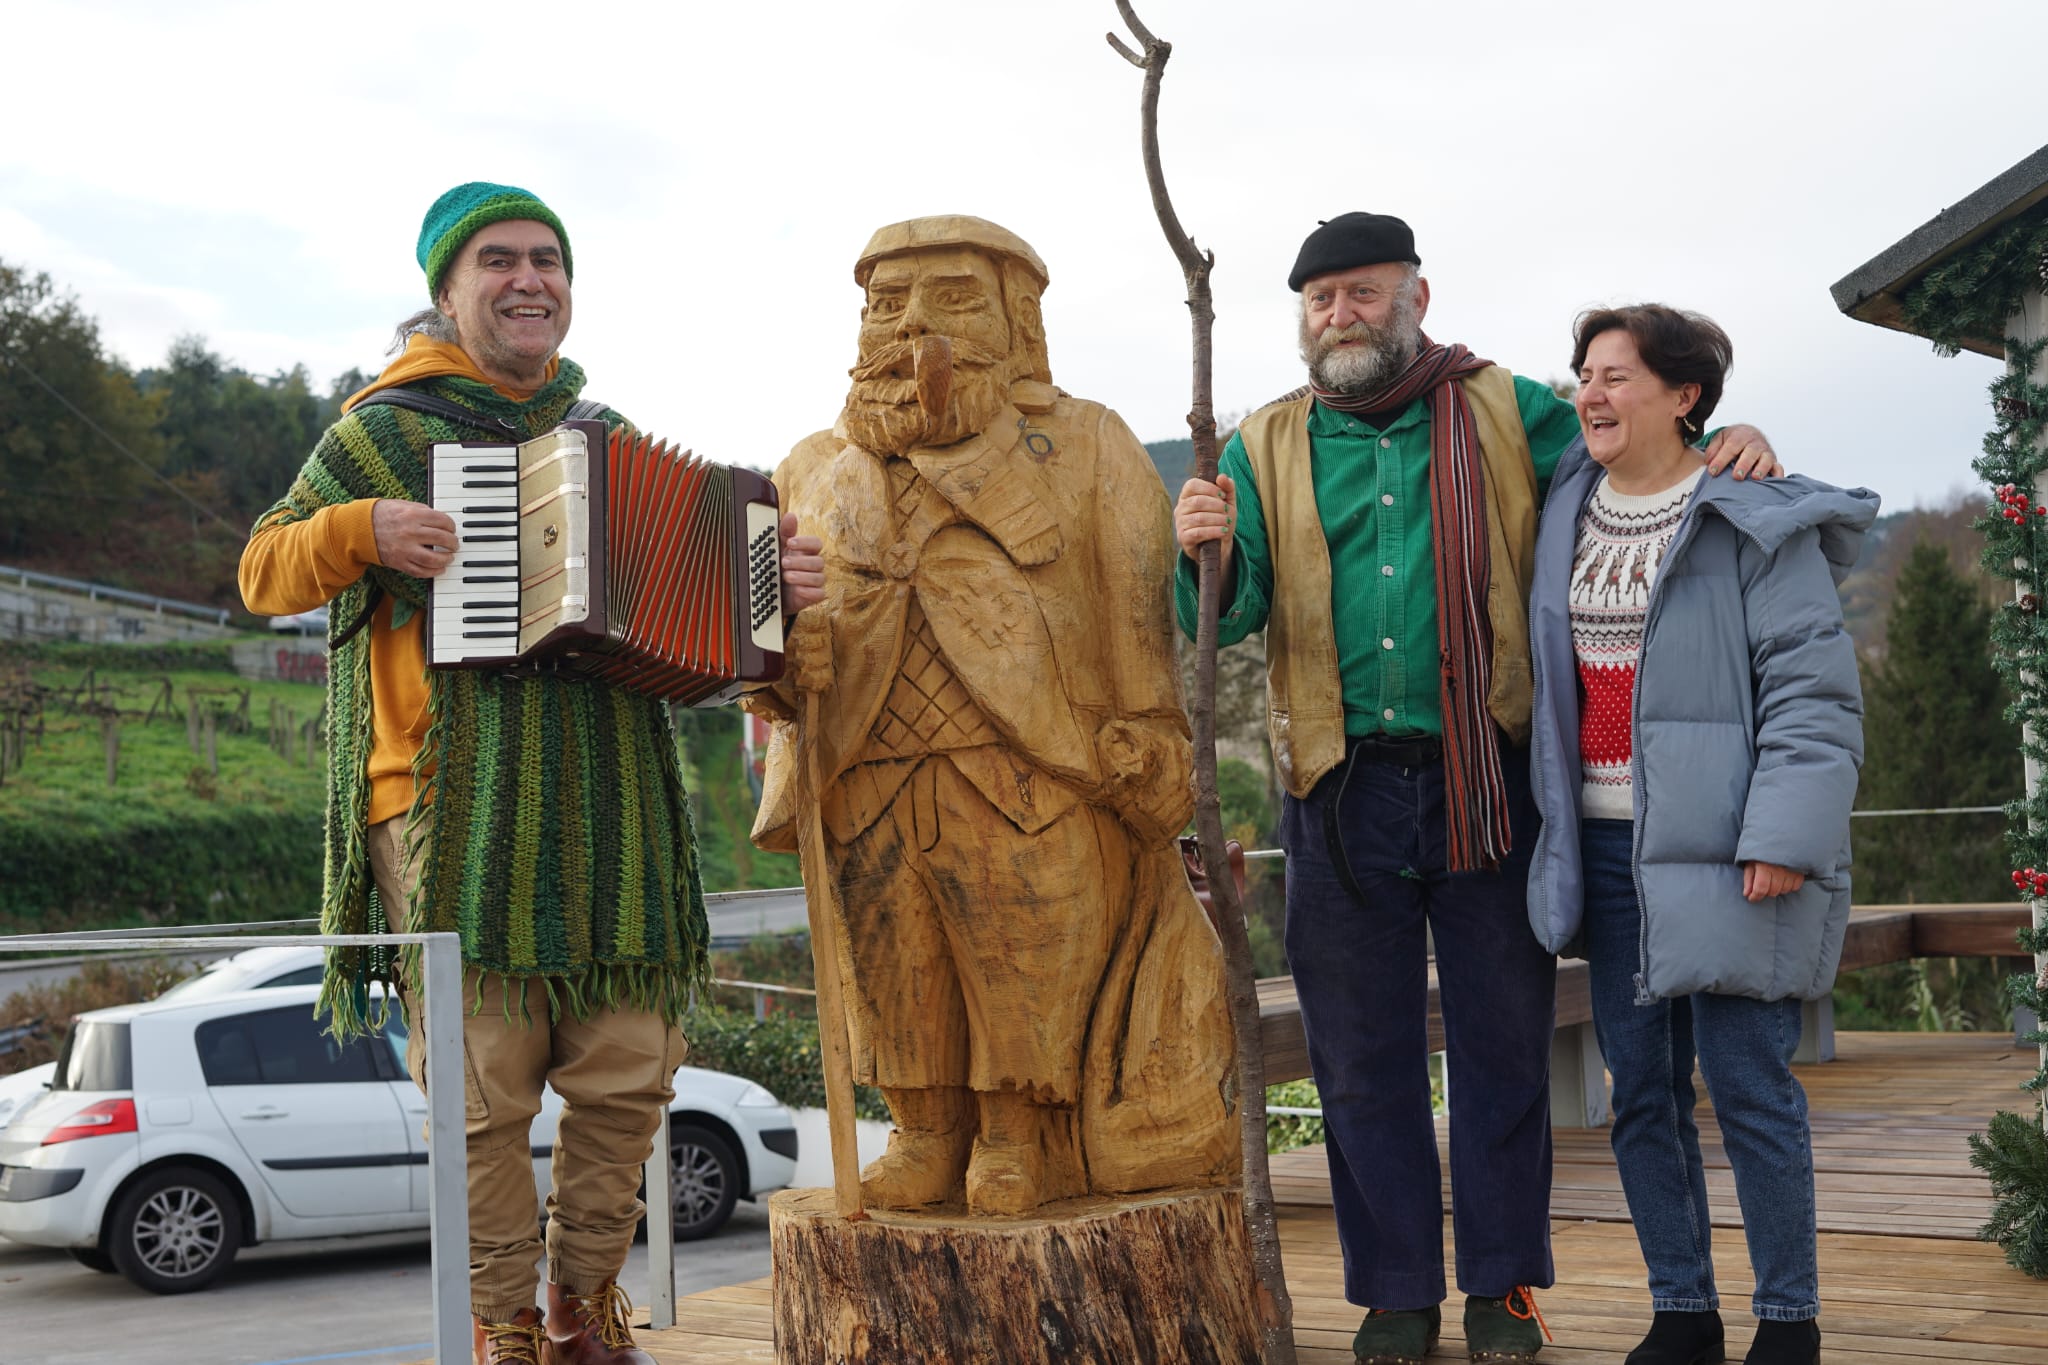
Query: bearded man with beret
(541, 817)
(1378, 524)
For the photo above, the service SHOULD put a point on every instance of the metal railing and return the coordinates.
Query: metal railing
(97, 591)
(447, 1155)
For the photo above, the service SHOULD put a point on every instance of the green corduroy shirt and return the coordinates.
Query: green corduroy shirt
(1372, 488)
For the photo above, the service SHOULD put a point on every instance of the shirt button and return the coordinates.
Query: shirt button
(1386, 442)
(1387, 714)
(1387, 499)
(1387, 643)
(1386, 571)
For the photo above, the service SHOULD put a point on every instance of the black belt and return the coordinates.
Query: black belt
(1376, 748)
(1408, 753)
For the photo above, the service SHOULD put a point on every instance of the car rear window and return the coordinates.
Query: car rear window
(279, 1047)
(96, 1057)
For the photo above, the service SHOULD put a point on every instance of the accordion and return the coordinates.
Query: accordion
(611, 555)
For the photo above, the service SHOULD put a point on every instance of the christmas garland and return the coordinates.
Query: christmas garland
(1975, 294)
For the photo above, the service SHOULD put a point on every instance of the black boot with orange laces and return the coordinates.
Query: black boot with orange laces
(1505, 1331)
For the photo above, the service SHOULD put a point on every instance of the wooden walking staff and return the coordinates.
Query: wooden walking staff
(1276, 1306)
(819, 898)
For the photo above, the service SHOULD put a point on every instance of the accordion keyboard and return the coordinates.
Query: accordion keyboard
(476, 599)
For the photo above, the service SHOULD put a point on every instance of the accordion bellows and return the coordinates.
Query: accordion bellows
(610, 554)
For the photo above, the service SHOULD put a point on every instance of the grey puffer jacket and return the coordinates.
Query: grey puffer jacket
(1748, 733)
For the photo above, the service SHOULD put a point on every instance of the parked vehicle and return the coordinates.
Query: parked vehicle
(246, 970)
(178, 1131)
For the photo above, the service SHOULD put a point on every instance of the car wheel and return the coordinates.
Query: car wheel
(92, 1258)
(704, 1181)
(175, 1230)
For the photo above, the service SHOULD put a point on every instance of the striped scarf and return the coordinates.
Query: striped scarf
(550, 821)
(1475, 793)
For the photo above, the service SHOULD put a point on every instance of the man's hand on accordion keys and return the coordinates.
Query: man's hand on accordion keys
(803, 567)
(412, 537)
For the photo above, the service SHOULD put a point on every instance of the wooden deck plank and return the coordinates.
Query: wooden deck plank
(1903, 1279)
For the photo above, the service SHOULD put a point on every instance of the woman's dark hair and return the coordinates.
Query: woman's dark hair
(1680, 348)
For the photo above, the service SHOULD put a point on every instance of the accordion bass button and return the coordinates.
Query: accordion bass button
(900, 560)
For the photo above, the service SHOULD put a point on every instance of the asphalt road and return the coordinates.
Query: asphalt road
(363, 1300)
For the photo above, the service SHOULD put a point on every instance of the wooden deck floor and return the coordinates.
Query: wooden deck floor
(1903, 1280)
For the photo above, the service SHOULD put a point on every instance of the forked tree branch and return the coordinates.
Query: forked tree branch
(1275, 1305)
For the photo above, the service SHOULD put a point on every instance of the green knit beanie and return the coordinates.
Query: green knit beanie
(457, 215)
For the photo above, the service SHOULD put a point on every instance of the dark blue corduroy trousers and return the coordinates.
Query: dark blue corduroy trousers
(1361, 973)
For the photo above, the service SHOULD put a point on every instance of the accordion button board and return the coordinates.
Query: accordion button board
(610, 554)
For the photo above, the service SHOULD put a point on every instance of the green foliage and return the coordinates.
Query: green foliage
(780, 1052)
(1285, 1132)
(724, 801)
(1247, 807)
(61, 482)
(2014, 1156)
(1974, 293)
(160, 846)
(772, 959)
(73, 656)
(1936, 733)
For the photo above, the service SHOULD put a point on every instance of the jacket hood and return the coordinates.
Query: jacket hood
(1771, 511)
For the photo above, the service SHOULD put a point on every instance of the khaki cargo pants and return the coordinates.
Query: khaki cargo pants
(615, 1073)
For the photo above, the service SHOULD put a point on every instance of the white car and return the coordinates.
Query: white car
(246, 970)
(178, 1131)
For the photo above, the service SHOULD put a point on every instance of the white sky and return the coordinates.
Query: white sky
(256, 173)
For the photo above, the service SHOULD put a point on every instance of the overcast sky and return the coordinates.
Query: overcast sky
(256, 174)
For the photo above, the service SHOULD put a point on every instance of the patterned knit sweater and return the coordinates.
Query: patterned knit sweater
(1622, 540)
(550, 817)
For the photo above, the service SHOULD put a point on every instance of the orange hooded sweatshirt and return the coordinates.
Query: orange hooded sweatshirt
(296, 566)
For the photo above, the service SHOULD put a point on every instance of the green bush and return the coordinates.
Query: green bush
(1285, 1132)
(780, 1052)
(198, 656)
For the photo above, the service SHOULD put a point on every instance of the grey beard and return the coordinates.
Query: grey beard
(1359, 370)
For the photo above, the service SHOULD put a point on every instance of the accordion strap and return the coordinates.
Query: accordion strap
(582, 410)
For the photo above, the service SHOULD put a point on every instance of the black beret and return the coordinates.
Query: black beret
(1349, 241)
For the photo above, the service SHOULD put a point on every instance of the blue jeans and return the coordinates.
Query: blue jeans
(1361, 974)
(1745, 1049)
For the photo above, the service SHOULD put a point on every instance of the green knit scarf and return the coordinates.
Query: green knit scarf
(550, 812)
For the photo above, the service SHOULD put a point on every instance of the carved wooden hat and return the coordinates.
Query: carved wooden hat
(947, 229)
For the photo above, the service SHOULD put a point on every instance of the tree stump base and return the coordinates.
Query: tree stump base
(1163, 1278)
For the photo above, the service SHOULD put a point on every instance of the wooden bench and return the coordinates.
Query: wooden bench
(1578, 1079)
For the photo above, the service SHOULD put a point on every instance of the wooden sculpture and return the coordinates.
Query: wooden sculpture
(1003, 765)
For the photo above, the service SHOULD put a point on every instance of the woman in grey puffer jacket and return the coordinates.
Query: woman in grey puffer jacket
(1698, 729)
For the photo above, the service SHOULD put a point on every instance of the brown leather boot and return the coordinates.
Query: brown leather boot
(590, 1329)
(518, 1342)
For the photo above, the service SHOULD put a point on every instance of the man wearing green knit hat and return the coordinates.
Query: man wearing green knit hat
(542, 819)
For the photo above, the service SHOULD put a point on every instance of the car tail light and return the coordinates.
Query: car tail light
(95, 1120)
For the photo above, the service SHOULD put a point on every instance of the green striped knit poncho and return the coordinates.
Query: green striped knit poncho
(551, 815)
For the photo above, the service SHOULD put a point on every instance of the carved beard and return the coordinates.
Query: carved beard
(953, 390)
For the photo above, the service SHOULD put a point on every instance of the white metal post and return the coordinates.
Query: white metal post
(661, 1231)
(447, 1149)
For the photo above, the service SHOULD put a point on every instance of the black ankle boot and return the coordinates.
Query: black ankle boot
(1682, 1339)
(1785, 1343)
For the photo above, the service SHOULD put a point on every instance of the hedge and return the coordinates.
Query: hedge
(779, 1052)
(212, 865)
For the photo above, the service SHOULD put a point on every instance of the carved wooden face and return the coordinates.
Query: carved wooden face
(897, 402)
(948, 291)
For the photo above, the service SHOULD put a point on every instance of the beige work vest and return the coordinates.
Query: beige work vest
(1304, 695)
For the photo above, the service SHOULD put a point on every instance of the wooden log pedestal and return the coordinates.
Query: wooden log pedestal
(1164, 1279)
